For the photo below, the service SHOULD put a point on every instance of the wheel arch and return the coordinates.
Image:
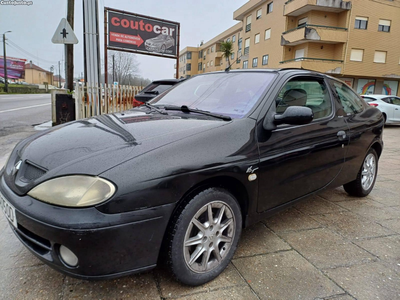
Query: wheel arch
(378, 148)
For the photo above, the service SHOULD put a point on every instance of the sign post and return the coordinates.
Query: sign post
(140, 34)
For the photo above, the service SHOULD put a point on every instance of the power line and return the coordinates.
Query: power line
(16, 47)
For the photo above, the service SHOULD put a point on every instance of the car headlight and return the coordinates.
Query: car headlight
(74, 191)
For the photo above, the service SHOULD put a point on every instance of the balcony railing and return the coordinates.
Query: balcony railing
(311, 58)
(246, 50)
(299, 7)
(313, 25)
(248, 27)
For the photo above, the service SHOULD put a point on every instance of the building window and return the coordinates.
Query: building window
(239, 55)
(232, 55)
(380, 57)
(268, 34)
(255, 62)
(248, 23)
(188, 67)
(245, 64)
(228, 40)
(384, 25)
(233, 38)
(246, 46)
(240, 44)
(212, 63)
(265, 60)
(257, 38)
(189, 55)
(208, 64)
(270, 7)
(259, 13)
(208, 51)
(361, 23)
(199, 67)
(212, 49)
(356, 54)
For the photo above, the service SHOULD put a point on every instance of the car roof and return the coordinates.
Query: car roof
(378, 96)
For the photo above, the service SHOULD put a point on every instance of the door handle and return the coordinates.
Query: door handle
(341, 135)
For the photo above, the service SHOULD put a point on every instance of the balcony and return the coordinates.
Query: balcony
(299, 7)
(329, 66)
(314, 33)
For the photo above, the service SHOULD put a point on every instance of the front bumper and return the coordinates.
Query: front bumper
(107, 245)
(152, 48)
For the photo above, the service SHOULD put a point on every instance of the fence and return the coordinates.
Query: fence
(93, 100)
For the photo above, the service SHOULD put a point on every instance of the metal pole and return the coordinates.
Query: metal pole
(59, 74)
(113, 69)
(177, 52)
(105, 48)
(5, 62)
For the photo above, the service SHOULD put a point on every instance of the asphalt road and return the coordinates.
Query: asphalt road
(18, 116)
(20, 111)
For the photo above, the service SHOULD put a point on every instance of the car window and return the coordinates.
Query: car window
(229, 93)
(158, 87)
(395, 100)
(350, 101)
(309, 92)
(387, 100)
(368, 99)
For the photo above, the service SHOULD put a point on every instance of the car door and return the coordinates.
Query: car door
(360, 123)
(395, 103)
(296, 160)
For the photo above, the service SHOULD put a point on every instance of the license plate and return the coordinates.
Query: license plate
(8, 210)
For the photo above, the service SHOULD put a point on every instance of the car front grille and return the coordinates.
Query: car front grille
(32, 172)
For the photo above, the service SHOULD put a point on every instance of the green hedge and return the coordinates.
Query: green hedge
(22, 89)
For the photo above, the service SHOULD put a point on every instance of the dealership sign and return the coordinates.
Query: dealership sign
(137, 33)
(15, 67)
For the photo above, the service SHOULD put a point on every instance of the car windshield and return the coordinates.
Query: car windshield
(157, 87)
(226, 93)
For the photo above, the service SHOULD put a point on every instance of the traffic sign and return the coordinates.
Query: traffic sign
(64, 34)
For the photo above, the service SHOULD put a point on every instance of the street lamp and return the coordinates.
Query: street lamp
(5, 62)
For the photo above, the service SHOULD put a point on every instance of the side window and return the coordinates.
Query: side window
(396, 101)
(387, 100)
(309, 92)
(350, 101)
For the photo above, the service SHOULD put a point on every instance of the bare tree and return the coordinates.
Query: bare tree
(125, 67)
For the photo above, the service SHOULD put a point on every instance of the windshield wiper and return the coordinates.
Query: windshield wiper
(153, 108)
(186, 109)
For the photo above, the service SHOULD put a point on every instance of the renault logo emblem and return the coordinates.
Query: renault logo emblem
(16, 167)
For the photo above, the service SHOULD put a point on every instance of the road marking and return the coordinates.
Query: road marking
(26, 107)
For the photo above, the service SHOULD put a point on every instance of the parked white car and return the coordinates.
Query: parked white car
(389, 105)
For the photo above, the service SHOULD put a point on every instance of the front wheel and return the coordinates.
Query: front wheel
(366, 177)
(204, 236)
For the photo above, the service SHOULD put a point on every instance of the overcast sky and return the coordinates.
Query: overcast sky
(33, 27)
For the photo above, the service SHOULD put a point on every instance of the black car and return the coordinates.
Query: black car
(154, 89)
(176, 181)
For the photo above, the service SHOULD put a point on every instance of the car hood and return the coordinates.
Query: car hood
(92, 146)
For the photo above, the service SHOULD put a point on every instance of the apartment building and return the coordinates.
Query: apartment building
(357, 41)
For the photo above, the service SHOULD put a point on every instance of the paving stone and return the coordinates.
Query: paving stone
(386, 248)
(258, 239)
(367, 281)
(290, 220)
(393, 225)
(171, 288)
(285, 275)
(371, 209)
(325, 249)
(317, 205)
(385, 196)
(10, 248)
(352, 226)
(141, 286)
(31, 283)
(235, 293)
(338, 194)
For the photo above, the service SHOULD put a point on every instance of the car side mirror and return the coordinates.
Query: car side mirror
(294, 115)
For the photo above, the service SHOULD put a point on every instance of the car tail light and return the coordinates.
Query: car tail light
(136, 103)
(373, 104)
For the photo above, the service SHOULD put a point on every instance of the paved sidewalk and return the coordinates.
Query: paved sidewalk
(330, 246)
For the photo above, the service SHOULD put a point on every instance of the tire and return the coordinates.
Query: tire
(162, 49)
(384, 119)
(366, 177)
(197, 250)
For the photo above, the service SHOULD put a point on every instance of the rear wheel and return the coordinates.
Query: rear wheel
(204, 236)
(162, 49)
(366, 177)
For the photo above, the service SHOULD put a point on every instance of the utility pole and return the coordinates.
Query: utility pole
(5, 62)
(59, 75)
(69, 50)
